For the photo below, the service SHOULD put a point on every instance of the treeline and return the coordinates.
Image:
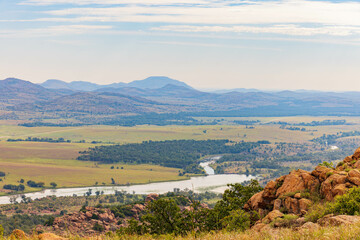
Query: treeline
(314, 123)
(47, 124)
(36, 139)
(246, 122)
(155, 119)
(331, 139)
(175, 153)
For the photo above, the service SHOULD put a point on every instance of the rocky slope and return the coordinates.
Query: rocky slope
(292, 193)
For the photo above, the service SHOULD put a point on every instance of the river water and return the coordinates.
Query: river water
(211, 182)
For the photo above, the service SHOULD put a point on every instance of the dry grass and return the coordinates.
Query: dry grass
(344, 232)
(327, 233)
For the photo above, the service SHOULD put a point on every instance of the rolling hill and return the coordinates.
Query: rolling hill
(62, 100)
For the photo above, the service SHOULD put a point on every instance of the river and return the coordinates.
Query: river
(211, 182)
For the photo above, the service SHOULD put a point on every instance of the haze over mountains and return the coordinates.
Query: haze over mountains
(21, 99)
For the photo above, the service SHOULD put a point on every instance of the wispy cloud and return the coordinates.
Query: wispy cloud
(53, 31)
(111, 2)
(286, 17)
(289, 29)
(200, 44)
(257, 13)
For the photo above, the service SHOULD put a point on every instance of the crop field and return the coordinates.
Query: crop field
(56, 162)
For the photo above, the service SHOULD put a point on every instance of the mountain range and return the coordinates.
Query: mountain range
(86, 101)
(148, 83)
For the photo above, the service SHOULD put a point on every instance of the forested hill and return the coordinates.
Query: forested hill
(176, 153)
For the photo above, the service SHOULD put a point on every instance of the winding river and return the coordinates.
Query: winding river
(211, 182)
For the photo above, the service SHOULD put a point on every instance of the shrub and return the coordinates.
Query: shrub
(98, 227)
(316, 212)
(237, 220)
(348, 203)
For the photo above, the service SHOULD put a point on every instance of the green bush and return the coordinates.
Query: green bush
(238, 220)
(348, 203)
(316, 212)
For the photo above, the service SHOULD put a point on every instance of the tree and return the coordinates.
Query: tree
(236, 196)
(163, 217)
(53, 184)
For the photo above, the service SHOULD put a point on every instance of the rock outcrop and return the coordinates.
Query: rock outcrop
(83, 223)
(291, 193)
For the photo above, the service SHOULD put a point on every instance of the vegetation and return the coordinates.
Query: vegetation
(164, 215)
(35, 139)
(177, 153)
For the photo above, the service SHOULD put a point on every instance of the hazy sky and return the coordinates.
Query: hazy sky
(286, 44)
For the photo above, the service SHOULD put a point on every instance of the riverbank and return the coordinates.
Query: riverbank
(214, 183)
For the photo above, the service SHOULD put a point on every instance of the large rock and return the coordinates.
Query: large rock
(354, 180)
(297, 181)
(322, 173)
(333, 185)
(309, 226)
(272, 216)
(331, 220)
(256, 201)
(304, 204)
(277, 204)
(270, 190)
(292, 205)
(354, 173)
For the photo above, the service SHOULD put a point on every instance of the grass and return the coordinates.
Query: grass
(343, 232)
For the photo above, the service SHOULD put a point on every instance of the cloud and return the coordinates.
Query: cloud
(286, 17)
(111, 2)
(289, 29)
(53, 31)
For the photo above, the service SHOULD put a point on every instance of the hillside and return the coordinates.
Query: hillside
(99, 103)
(15, 91)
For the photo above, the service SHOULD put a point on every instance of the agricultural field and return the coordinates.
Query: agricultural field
(56, 162)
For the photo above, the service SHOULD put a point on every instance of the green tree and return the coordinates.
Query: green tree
(163, 217)
(236, 196)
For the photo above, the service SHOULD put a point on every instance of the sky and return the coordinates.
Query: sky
(209, 44)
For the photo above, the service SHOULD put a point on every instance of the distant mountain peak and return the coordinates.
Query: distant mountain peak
(155, 82)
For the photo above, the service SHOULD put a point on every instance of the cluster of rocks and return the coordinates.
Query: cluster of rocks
(292, 193)
(84, 223)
